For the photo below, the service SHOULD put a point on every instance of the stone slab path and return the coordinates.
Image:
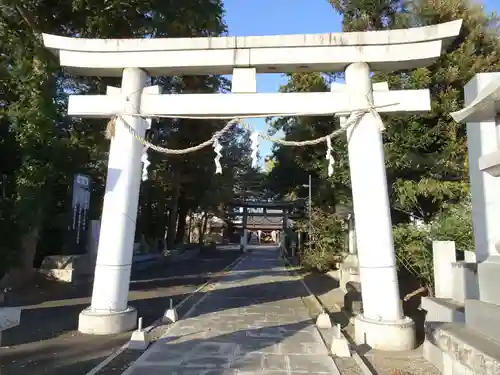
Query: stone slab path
(253, 321)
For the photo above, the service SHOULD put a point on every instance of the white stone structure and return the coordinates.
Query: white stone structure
(454, 282)
(482, 100)
(473, 348)
(382, 325)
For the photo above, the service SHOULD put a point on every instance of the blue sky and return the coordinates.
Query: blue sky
(270, 17)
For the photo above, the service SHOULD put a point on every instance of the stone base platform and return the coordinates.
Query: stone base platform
(443, 310)
(107, 323)
(381, 335)
(456, 350)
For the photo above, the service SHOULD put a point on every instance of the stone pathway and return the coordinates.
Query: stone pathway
(253, 321)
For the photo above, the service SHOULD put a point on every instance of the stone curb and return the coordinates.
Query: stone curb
(360, 360)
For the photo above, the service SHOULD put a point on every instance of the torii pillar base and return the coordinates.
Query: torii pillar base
(385, 335)
(107, 323)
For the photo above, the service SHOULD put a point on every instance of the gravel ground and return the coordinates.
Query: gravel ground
(397, 364)
(47, 342)
(382, 363)
(348, 366)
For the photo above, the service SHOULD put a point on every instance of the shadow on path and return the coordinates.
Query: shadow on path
(248, 324)
(249, 350)
(47, 338)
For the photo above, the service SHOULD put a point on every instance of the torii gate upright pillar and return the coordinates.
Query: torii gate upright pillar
(109, 312)
(283, 237)
(244, 237)
(382, 310)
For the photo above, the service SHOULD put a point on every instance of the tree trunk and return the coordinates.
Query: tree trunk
(162, 215)
(190, 227)
(181, 222)
(21, 276)
(203, 228)
(28, 244)
(172, 222)
(146, 212)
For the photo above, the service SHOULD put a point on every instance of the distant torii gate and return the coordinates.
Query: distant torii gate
(286, 214)
(382, 324)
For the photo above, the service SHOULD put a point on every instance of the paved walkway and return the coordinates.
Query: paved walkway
(252, 322)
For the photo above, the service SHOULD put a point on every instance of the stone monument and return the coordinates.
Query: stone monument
(75, 260)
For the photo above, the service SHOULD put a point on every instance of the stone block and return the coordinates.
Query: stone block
(323, 321)
(65, 275)
(339, 345)
(244, 80)
(138, 341)
(463, 351)
(488, 274)
(470, 256)
(66, 268)
(63, 262)
(171, 315)
(483, 318)
(443, 253)
(442, 310)
(433, 355)
(464, 281)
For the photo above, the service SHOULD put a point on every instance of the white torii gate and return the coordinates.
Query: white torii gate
(382, 324)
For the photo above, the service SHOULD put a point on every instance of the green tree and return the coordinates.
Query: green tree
(326, 242)
(426, 156)
(42, 148)
(293, 165)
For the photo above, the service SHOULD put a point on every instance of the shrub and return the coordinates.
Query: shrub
(326, 241)
(455, 224)
(414, 252)
(414, 244)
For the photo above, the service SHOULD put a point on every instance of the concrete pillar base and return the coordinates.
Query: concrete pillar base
(107, 323)
(383, 335)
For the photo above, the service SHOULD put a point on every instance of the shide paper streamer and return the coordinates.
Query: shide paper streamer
(218, 155)
(145, 163)
(329, 156)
